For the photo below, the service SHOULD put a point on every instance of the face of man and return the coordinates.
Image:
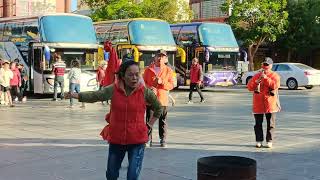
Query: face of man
(6, 65)
(132, 76)
(160, 60)
(266, 66)
(194, 61)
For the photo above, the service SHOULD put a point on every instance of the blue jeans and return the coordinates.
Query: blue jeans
(115, 158)
(73, 87)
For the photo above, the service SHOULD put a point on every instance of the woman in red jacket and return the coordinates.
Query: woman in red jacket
(127, 130)
(265, 86)
(196, 78)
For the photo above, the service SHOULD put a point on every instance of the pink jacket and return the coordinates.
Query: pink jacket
(16, 80)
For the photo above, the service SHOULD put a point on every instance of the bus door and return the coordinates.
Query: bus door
(37, 70)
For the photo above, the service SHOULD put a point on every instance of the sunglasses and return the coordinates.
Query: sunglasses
(265, 64)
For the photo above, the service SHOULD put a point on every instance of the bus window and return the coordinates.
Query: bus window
(37, 60)
(175, 32)
(119, 33)
(30, 30)
(188, 35)
(1, 31)
(102, 31)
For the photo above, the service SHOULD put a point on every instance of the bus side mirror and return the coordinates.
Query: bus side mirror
(181, 54)
(136, 54)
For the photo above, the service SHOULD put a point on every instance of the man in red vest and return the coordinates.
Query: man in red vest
(196, 78)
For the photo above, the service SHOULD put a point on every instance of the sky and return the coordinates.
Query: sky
(74, 5)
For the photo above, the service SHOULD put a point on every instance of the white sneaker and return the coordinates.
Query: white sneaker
(24, 99)
(258, 144)
(269, 145)
(16, 99)
(189, 102)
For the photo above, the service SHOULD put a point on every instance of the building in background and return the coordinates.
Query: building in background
(207, 10)
(9, 8)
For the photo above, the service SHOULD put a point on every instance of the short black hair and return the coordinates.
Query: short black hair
(124, 66)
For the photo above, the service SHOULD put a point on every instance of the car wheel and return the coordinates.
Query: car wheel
(248, 79)
(309, 87)
(292, 84)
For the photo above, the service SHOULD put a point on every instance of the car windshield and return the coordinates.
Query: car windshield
(304, 67)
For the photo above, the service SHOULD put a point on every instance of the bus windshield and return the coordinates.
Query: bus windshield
(223, 61)
(150, 33)
(148, 57)
(67, 29)
(217, 35)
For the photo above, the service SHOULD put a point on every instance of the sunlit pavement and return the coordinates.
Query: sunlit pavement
(45, 140)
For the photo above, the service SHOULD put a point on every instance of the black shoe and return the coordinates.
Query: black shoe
(163, 143)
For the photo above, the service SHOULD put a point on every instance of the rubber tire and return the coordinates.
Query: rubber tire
(248, 79)
(309, 87)
(294, 81)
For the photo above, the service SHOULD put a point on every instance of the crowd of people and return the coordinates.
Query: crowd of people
(13, 82)
(137, 102)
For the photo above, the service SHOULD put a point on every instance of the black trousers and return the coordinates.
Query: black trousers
(163, 123)
(15, 92)
(192, 86)
(271, 124)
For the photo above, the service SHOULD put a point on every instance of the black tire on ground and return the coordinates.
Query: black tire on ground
(309, 87)
(248, 79)
(292, 84)
(226, 168)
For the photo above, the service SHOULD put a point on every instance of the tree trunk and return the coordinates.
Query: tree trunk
(250, 56)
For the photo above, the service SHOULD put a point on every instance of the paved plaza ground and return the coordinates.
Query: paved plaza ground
(45, 140)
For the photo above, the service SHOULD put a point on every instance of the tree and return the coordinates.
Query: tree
(257, 21)
(169, 10)
(303, 34)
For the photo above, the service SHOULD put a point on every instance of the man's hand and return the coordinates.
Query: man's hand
(159, 80)
(149, 128)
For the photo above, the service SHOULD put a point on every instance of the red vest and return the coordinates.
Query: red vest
(195, 73)
(127, 125)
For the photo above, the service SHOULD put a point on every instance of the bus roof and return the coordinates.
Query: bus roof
(127, 20)
(197, 23)
(39, 16)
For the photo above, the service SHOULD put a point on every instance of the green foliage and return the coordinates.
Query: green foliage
(303, 34)
(169, 10)
(255, 21)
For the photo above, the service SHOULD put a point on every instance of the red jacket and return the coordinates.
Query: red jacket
(161, 90)
(196, 73)
(16, 79)
(264, 102)
(127, 125)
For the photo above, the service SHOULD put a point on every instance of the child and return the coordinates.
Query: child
(74, 80)
(5, 76)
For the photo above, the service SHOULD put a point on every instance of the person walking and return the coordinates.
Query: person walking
(58, 70)
(264, 86)
(5, 76)
(24, 82)
(74, 80)
(159, 78)
(196, 78)
(127, 132)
